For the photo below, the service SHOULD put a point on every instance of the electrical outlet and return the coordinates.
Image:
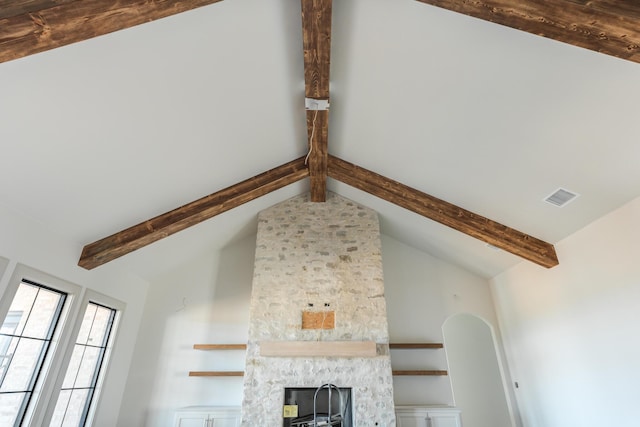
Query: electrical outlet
(290, 411)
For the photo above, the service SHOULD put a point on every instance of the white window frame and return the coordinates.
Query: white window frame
(48, 387)
(44, 386)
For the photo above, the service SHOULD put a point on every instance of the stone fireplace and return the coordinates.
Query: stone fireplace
(324, 260)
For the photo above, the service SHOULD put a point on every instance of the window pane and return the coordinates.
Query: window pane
(74, 365)
(43, 311)
(75, 409)
(23, 365)
(80, 379)
(90, 360)
(10, 407)
(101, 324)
(7, 349)
(87, 321)
(61, 407)
(20, 309)
(34, 312)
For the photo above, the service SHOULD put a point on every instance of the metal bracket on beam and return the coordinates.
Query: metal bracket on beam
(316, 104)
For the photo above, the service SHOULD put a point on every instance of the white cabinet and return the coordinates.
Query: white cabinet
(427, 416)
(208, 416)
(444, 419)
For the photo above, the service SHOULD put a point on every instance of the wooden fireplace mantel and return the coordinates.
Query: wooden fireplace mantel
(318, 348)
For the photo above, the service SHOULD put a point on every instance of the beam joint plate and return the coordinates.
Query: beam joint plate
(313, 104)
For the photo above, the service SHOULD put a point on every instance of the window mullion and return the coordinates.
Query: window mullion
(56, 315)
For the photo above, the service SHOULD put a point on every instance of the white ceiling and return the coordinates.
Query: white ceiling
(100, 135)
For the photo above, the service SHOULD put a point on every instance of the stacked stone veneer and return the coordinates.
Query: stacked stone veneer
(318, 253)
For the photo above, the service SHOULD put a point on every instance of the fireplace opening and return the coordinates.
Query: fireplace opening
(326, 405)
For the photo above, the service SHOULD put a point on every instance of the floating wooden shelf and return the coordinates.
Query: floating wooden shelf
(417, 346)
(220, 346)
(414, 346)
(419, 372)
(216, 373)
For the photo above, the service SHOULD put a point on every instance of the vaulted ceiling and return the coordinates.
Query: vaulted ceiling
(106, 133)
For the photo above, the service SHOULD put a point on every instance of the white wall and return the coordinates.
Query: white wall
(204, 301)
(4, 262)
(422, 292)
(28, 243)
(572, 331)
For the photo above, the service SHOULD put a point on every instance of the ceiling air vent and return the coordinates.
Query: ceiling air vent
(561, 197)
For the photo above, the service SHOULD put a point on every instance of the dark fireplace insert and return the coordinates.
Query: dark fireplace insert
(326, 405)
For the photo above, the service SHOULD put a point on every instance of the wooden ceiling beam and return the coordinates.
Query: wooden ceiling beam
(28, 27)
(459, 219)
(606, 26)
(138, 236)
(316, 38)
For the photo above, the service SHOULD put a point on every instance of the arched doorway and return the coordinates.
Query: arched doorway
(476, 378)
